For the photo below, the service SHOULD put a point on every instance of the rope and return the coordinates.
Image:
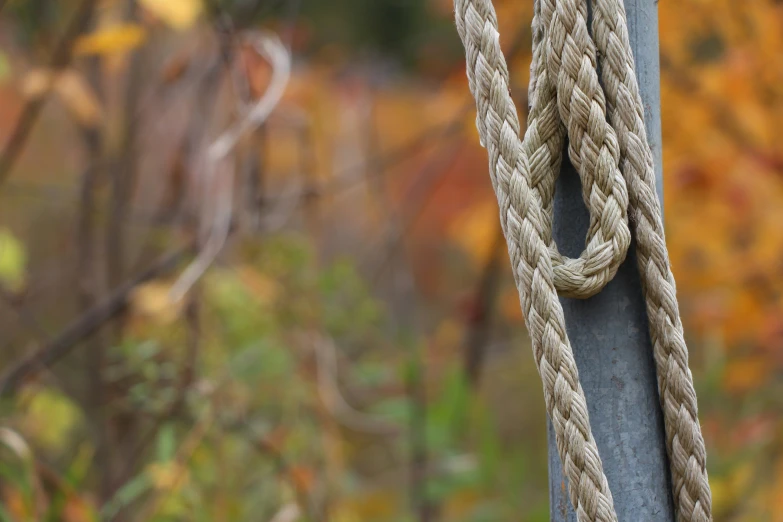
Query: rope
(615, 165)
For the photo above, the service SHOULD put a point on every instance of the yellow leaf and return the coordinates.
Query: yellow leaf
(168, 476)
(50, 418)
(729, 488)
(179, 14)
(376, 505)
(79, 98)
(13, 259)
(113, 39)
(5, 67)
(153, 300)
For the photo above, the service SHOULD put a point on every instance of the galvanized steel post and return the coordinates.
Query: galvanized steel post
(609, 334)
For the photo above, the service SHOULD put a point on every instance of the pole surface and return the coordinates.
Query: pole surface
(609, 334)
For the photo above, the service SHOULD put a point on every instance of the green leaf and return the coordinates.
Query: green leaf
(50, 418)
(395, 409)
(79, 469)
(489, 444)
(167, 443)
(13, 260)
(129, 492)
(372, 373)
(5, 67)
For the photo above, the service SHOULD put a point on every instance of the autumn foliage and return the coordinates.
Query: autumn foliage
(317, 368)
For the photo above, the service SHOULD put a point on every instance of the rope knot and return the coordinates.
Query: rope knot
(567, 100)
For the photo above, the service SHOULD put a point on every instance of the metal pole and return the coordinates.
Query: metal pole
(609, 335)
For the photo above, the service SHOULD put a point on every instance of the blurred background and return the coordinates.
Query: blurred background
(251, 267)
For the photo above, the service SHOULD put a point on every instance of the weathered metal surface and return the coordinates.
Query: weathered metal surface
(609, 335)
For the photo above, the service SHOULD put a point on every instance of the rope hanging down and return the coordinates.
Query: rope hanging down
(615, 165)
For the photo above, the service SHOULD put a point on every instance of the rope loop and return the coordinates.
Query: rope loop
(567, 100)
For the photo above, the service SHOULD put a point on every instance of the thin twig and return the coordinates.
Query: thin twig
(123, 178)
(186, 378)
(26, 318)
(217, 239)
(255, 170)
(482, 311)
(201, 116)
(86, 324)
(60, 58)
(309, 174)
(89, 294)
(419, 464)
(336, 404)
(199, 121)
(270, 47)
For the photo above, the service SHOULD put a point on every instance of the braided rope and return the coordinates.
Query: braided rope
(685, 444)
(615, 165)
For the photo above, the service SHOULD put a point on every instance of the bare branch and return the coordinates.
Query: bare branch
(86, 325)
(270, 47)
(61, 56)
(482, 311)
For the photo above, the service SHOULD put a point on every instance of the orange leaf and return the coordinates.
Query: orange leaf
(302, 477)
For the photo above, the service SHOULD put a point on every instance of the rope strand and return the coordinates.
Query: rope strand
(685, 444)
(615, 165)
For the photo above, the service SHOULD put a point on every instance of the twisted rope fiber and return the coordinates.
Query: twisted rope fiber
(615, 165)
